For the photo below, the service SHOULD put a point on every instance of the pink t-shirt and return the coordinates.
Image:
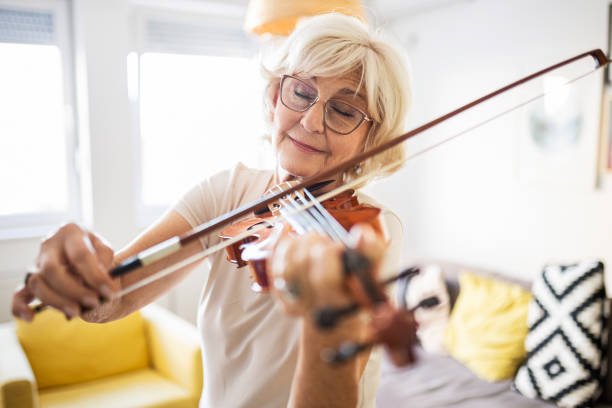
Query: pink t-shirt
(249, 346)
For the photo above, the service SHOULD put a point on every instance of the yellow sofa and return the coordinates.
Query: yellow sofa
(149, 359)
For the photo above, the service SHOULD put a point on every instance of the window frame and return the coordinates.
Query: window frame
(36, 224)
(141, 11)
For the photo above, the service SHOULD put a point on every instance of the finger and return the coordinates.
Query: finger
(369, 243)
(103, 250)
(284, 287)
(326, 274)
(298, 261)
(19, 308)
(278, 258)
(45, 294)
(106, 255)
(58, 278)
(290, 270)
(81, 255)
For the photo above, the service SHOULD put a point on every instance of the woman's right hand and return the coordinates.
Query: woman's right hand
(72, 274)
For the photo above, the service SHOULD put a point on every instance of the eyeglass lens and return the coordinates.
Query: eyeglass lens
(340, 116)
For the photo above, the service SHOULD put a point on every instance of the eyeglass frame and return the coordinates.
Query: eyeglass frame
(365, 117)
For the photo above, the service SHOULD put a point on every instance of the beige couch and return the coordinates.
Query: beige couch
(441, 381)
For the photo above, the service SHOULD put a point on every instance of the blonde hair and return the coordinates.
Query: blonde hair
(332, 45)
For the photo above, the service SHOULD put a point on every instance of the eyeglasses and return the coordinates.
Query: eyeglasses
(339, 116)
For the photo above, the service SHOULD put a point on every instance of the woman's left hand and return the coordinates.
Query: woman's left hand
(307, 271)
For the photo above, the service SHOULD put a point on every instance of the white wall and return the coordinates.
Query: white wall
(464, 202)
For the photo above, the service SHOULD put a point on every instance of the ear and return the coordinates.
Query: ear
(367, 140)
(276, 95)
(274, 100)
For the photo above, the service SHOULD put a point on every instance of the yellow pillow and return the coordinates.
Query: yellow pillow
(488, 325)
(65, 352)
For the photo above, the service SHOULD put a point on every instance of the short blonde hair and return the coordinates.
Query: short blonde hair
(331, 45)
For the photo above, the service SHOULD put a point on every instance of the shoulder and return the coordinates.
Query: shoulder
(222, 192)
(391, 220)
(234, 186)
(237, 177)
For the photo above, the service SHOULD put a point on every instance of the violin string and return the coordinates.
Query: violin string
(317, 220)
(295, 220)
(332, 222)
(302, 218)
(319, 216)
(312, 221)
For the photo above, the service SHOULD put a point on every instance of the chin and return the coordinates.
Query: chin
(296, 168)
(295, 163)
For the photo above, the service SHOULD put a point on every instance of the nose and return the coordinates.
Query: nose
(313, 119)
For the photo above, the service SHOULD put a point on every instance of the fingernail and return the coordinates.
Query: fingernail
(106, 291)
(71, 311)
(26, 317)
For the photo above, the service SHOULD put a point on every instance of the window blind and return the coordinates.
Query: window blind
(219, 37)
(27, 27)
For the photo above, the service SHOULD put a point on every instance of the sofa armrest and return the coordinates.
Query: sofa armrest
(174, 348)
(17, 383)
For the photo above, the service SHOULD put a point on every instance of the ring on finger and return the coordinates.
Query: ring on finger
(29, 272)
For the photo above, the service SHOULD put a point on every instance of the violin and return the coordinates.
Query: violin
(254, 249)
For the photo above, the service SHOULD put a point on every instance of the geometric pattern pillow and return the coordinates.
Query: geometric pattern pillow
(567, 339)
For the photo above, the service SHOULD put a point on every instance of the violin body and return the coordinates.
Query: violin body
(255, 249)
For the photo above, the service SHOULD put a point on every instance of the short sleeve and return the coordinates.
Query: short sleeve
(219, 194)
(202, 202)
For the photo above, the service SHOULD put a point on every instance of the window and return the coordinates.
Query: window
(37, 174)
(199, 104)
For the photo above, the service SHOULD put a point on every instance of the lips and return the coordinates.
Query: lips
(304, 147)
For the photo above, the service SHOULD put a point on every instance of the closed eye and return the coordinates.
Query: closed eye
(343, 113)
(303, 96)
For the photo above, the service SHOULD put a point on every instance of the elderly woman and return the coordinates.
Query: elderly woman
(334, 90)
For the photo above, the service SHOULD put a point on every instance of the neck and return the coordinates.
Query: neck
(281, 175)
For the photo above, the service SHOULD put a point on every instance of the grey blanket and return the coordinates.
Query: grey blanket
(440, 382)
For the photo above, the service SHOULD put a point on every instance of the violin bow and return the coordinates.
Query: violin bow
(172, 245)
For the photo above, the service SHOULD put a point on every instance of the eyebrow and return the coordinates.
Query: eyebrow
(344, 91)
(348, 91)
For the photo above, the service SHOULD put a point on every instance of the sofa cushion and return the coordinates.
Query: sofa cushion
(66, 352)
(488, 325)
(141, 388)
(568, 336)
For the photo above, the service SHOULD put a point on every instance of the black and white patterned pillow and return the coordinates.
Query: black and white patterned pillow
(567, 339)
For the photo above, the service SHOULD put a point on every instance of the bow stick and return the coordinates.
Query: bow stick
(172, 245)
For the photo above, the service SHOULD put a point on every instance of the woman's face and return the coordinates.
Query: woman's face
(304, 145)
